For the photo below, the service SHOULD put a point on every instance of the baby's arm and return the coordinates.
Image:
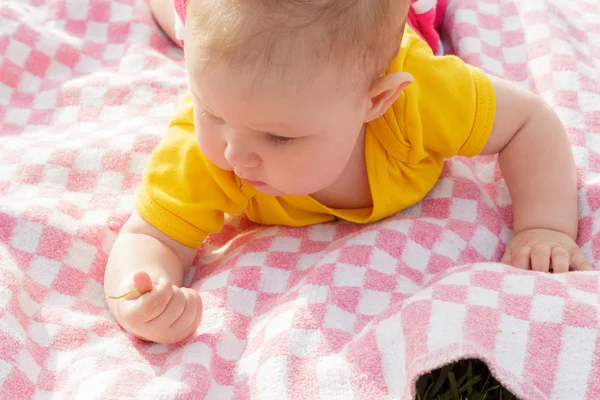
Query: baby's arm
(536, 160)
(140, 257)
(164, 14)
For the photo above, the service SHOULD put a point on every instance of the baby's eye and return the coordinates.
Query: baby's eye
(206, 115)
(276, 139)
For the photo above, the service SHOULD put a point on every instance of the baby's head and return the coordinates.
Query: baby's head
(282, 89)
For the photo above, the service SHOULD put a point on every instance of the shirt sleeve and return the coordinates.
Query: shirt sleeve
(183, 194)
(450, 107)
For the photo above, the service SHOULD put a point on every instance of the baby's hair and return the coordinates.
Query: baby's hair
(360, 36)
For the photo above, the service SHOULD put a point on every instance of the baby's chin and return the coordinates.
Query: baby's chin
(268, 190)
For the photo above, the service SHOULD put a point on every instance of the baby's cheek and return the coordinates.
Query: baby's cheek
(212, 147)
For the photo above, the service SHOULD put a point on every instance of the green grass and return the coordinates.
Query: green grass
(463, 380)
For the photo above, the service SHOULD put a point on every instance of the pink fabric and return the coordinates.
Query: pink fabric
(323, 312)
(180, 9)
(425, 17)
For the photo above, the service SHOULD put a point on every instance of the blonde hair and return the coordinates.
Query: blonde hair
(361, 36)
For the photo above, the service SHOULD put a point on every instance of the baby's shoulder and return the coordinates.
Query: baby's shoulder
(415, 54)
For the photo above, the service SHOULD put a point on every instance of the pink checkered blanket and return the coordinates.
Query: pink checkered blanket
(335, 311)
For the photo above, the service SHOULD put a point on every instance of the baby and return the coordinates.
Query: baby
(303, 112)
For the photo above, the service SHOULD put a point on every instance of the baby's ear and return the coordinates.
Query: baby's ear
(385, 91)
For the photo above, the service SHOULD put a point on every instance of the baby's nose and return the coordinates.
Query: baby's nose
(240, 157)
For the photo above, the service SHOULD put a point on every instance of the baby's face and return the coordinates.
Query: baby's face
(284, 138)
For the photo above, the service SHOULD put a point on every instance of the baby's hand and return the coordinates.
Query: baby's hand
(164, 313)
(544, 250)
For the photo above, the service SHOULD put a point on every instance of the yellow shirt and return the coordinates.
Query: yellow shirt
(449, 110)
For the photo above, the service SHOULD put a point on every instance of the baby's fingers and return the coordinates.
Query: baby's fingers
(579, 262)
(152, 304)
(172, 311)
(190, 318)
(520, 257)
(560, 260)
(540, 258)
(143, 282)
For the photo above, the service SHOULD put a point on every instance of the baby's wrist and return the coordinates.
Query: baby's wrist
(543, 228)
